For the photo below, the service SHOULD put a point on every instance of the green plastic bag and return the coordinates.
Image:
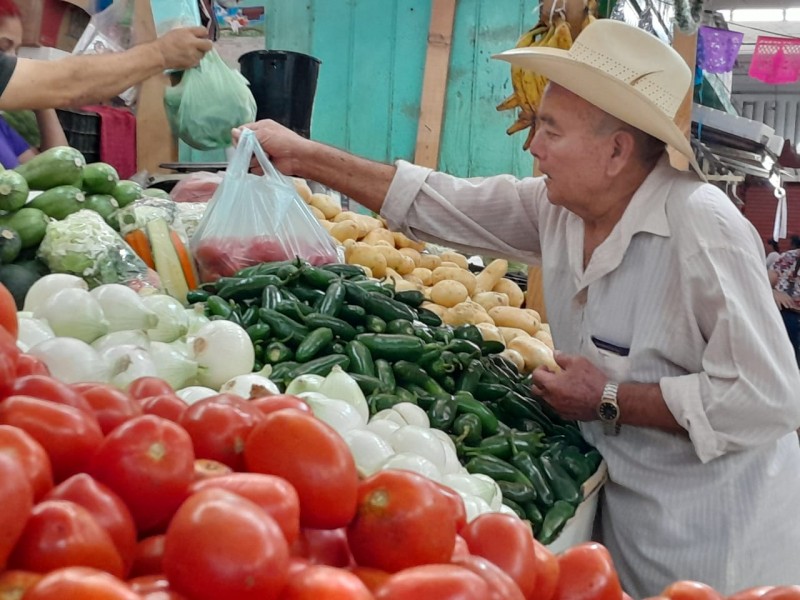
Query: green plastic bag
(210, 100)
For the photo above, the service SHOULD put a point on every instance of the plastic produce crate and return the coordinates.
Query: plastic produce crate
(82, 130)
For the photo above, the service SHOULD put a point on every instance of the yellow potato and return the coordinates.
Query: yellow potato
(515, 357)
(509, 333)
(455, 257)
(434, 308)
(423, 274)
(490, 332)
(456, 274)
(326, 204)
(344, 230)
(429, 261)
(410, 252)
(508, 316)
(414, 279)
(370, 224)
(328, 225)
(406, 265)
(449, 293)
(403, 241)
(378, 234)
(393, 257)
(544, 336)
(535, 353)
(302, 189)
(515, 296)
(465, 312)
(316, 212)
(489, 300)
(450, 265)
(367, 256)
(488, 278)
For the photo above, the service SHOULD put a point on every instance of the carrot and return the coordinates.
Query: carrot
(137, 239)
(186, 261)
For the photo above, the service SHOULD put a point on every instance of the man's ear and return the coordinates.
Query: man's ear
(623, 150)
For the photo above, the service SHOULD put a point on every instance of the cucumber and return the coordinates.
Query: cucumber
(10, 245)
(13, 191)
(61, 165)
(166, 259)
(156, 193)
(99, 178)
(18, 279)
(104, 205)
(59, 202)
(127, 191)
(30, 223)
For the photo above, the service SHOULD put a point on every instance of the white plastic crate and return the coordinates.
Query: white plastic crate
(579, 528)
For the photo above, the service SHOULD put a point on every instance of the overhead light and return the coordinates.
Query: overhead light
(752, 15)
(792, 14)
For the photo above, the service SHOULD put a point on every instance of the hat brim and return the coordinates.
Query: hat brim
(608, 93)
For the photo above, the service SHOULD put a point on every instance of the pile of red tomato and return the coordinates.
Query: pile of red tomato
(113, 495)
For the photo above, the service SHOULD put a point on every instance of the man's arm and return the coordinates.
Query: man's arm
(78, 80)
(50, 130)
(365, 181)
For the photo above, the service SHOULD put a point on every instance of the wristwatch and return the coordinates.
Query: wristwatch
(608, 409)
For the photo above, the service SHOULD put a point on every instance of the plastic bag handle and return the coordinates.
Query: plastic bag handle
(247, 147)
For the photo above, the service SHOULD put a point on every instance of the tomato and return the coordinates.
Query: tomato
(371, 578)
(321, 581)
(148, 558)
(501, 585)
(205, 468)
(44, 387)
(457, 508)
(690, 590)
(30, 365)
(166, 406)
(222, 546)
(14, 583)
(546, 571)
(149, 462)
(783, 592)
(275, 495)
(323, 547)
(146, 387)
(80, 583)
(750, 593)
(69, 435)
(460, 550)
(107, 509)
(218, 426)
(268, 404)
(16, 500)
(111, 406)
(60, 534)
(9, 357)
(311, 456)
(31, 455)
(507, 541)
(8, 312)
(434, 582)
(586, 572)
(403, 520)
(154, 587)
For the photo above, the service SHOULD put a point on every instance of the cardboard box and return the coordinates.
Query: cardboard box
(54, 23)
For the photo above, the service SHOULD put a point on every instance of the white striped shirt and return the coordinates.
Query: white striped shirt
(681, 282)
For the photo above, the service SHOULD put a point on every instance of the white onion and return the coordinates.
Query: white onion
(475, 485)
(48, 286)
(417, 440)
(474, 506)
(71, 360)
(369, 450)
(340, 415)
(197, 318)
(383, 427)
(173, 322)
(173, 366)
(195, 393)
(132, 337)
(128, 363)
(390, 415)
(444, 438)
(222, 350)
(412, 414)
(33, 331)
(123, 308)
(250, 386)
(412, 462)
(73, 312)
(304, 383)
(340, 386)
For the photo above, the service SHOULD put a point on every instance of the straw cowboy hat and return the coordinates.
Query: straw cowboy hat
(624, 71)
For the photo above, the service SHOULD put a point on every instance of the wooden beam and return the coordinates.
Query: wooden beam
(434, 83)
(686, 46)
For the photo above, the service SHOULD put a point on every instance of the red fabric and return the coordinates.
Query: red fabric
(117, 138)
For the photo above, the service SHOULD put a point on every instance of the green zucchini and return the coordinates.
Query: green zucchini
(18, 280)
(29, 223)
(127, 191)
(156, 193)
(59, 202)
(57, 166)
(10, 245)
(104, 205)
(99, 178)
(13, 191)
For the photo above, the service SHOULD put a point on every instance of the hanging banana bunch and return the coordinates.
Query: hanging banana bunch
(528, 86)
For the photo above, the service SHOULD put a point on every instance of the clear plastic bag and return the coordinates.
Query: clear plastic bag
(171, 14)
(254, 219)
(196, 187)
(210, 100)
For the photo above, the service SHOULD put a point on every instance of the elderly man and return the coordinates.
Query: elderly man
(672, 351)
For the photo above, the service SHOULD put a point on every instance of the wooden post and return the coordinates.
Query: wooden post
(434, 83)
(155, 143)
(686, 46)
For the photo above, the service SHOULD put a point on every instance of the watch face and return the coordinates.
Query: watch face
(608, 411)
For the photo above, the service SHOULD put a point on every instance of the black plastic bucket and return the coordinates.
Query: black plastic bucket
(283, 84)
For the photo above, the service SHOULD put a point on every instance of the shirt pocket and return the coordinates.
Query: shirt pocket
(611, 358)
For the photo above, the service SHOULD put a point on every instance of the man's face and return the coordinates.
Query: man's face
(568, 148)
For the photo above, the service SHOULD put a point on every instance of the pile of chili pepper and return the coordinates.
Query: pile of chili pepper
(306, 320)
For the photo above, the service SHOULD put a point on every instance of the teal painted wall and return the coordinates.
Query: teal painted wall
(370, 81)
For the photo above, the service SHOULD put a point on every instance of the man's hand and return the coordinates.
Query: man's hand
(184, 48)
(281, 144)
(575, 392)
(783, 300)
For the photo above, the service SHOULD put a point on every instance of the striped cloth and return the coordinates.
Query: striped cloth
(681, 282)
